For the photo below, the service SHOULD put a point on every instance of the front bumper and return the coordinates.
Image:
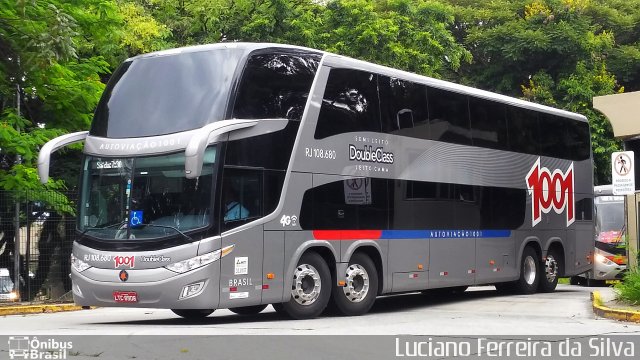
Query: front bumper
(155, 288)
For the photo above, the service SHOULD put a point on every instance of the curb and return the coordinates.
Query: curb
(609, 313)
(37, 309)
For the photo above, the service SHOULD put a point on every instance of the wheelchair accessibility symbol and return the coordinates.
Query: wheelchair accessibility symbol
(135, 218)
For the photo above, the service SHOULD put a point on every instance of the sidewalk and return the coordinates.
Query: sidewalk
(605, 305)
(27, 308)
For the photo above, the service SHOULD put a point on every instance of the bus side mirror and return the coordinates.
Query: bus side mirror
(208, 134)
(44, 157)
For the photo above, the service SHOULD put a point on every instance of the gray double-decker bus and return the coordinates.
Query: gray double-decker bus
(240, 175)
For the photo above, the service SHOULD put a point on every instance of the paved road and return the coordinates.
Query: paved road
(479, 311)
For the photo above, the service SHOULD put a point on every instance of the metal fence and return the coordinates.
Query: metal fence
(45, 239)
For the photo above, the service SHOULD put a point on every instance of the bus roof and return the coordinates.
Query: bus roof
(334, 60)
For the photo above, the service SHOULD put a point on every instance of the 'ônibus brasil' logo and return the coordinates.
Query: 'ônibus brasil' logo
(550, 190)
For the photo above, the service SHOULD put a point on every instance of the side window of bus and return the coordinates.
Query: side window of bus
(488, 124)
(578, 140)
(241, 197)
(350, 104)
(449, 116)
(275, 86)
(352, 204)
(404, 106)
(523, 130)
(555, 141)
(584, 209)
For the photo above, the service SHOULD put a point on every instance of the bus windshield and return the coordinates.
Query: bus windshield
(166, 94)
(609, 220)
(144, 197)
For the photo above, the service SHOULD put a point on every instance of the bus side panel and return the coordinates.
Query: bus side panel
(241, 270)
(273, 263)
(583, 260)
(408, 264)
(452, 262)
(495, 259)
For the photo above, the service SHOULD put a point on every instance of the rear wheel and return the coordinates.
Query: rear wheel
(551, 269)
(361, 287)
(248, 310)
(193, 313)
(310, 289)
(529, 272)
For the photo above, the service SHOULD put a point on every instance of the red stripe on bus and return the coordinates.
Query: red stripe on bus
(347, 234)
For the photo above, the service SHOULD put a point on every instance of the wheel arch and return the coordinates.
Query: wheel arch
(322, 248)
(374, 253)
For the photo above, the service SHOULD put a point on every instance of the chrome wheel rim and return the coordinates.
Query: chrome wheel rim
(357, 283)
(551, 268)
(306, 285)
(529, 270)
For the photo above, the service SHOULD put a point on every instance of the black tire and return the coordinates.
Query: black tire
(505, 288)
(248, 310)
(306, 301)
(593, 282)
(550, 271)
(193, 314)
(529, 272)
(359, 293)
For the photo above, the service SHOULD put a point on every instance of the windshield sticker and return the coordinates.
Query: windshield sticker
(242, 266)
(135, 218)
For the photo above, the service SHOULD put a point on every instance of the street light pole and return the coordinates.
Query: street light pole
(16, 243)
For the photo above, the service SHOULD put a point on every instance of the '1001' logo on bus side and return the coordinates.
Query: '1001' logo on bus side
(550, 190)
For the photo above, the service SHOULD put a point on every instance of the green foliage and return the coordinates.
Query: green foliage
(54, 55)
(553, 52)
(629, 289)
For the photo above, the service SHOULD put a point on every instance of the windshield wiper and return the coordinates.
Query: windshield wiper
(118, 224)
(187, 237)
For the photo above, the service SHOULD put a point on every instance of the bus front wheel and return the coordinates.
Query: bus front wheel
(193, 314)
(360, 289)
(310, 288)
(529, 272)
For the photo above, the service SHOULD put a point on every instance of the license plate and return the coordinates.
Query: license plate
(125, 296)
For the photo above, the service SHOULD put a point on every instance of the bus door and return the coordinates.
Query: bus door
(241, 270)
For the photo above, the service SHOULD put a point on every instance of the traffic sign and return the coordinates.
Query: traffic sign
(623, 173)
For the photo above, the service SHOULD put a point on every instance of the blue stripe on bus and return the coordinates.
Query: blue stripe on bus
(443, 234)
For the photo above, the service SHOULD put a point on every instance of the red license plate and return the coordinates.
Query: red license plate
(125, 296)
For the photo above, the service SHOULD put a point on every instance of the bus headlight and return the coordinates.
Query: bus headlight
(199, 261)
(602, 259)
(78, 264)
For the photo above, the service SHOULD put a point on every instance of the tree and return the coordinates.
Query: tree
(53, 57)
(553, 52)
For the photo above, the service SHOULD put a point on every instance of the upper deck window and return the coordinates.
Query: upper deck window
(275, 86)
(166, 94)
(350, 104)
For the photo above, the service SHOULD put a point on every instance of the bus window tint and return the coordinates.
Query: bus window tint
(449, 116)
(523, 130)
(350, 104)
(488, 124)
(404, 106)
(352, 204)
(275, 86)
(578, 140)
(554, 141)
